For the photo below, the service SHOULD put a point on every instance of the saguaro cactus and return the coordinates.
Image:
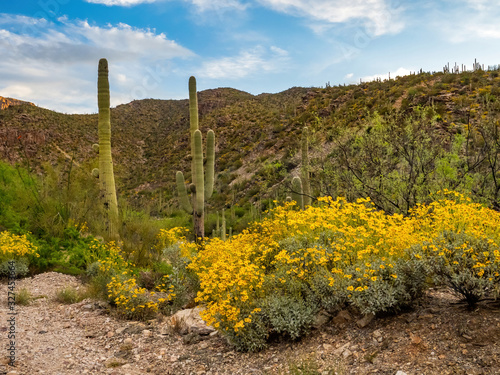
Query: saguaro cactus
(203, 183)
(297, 192)
(223, 229)
(306, 184)
(106, 176)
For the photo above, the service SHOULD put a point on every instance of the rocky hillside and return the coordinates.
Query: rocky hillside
(9, 102)
(257, 137)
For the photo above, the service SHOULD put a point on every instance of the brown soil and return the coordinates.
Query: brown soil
(438, 336)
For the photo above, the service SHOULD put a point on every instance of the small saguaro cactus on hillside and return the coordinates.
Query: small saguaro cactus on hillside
(203, 183)
(304, 171)
(105, 172)
(297, 192)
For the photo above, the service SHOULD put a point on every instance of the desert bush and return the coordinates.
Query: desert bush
(274, 277)
(69, 295)
(468, 265)
(23, 297)
(139, 293)
(16, 248)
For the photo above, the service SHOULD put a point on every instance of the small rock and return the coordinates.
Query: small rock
(128, 340)
(147, 333)
(416, 340)
(342, 317)
(327, 346)
(401, 373)
(191, 339)
(165, 330)
(174, 358)
(204, 345)
(188, 321)
(110, 334)
(340, 350)
(365, 320)
(88, 306)
(426, 316)
(321, 319)
(377, 334)
(120, 330)
(346, 353)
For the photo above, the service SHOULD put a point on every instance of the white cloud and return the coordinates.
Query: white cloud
(469, 20)
(246, 63)
(124, 3)
(349, 76)
(41, 57)
(378, 16)
(204, 5)
(398, 73)
(482, 4)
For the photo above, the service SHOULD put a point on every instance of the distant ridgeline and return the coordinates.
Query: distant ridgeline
(9, 102)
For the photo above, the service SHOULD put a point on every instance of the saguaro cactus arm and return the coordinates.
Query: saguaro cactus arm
(306, 184)
(210, 165)
(182, 191)
(198, 174)
(193, 105)
(297, 193)
(193, 118)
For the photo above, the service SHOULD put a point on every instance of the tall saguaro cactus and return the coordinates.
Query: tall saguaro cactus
(106, 176)
(203, 183)
(306, 184)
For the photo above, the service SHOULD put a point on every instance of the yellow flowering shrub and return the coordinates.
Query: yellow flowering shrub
(468, 265)
(123, 289)
(17, 248)
(169, 237)
(113, 262)
(14, 247)
(276, 276)
(135, 302)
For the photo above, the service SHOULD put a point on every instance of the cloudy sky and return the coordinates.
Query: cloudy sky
(49, 49)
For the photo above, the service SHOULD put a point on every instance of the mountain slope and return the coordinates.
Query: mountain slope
(257, 137)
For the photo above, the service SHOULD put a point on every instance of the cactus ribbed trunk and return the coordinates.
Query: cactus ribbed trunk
(106, 176)
(199, 183)
(297, 192)
(306, 184)
(203, 181)
(193, 118)
(223, 232)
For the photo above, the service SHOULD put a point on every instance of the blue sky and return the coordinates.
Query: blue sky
(49, 49)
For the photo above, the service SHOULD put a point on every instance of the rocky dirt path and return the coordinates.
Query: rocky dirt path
(439, 336)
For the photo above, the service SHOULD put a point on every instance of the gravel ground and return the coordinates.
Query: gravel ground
(438, 336)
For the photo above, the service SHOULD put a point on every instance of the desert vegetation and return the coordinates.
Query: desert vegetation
(309, 200)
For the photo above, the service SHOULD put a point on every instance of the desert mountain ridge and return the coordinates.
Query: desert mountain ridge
(257, 136)
(9, 102)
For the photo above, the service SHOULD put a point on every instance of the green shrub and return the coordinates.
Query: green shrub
(69, 295)
(393, 287)
(468, 265)
(23, 297)
(20, 267)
